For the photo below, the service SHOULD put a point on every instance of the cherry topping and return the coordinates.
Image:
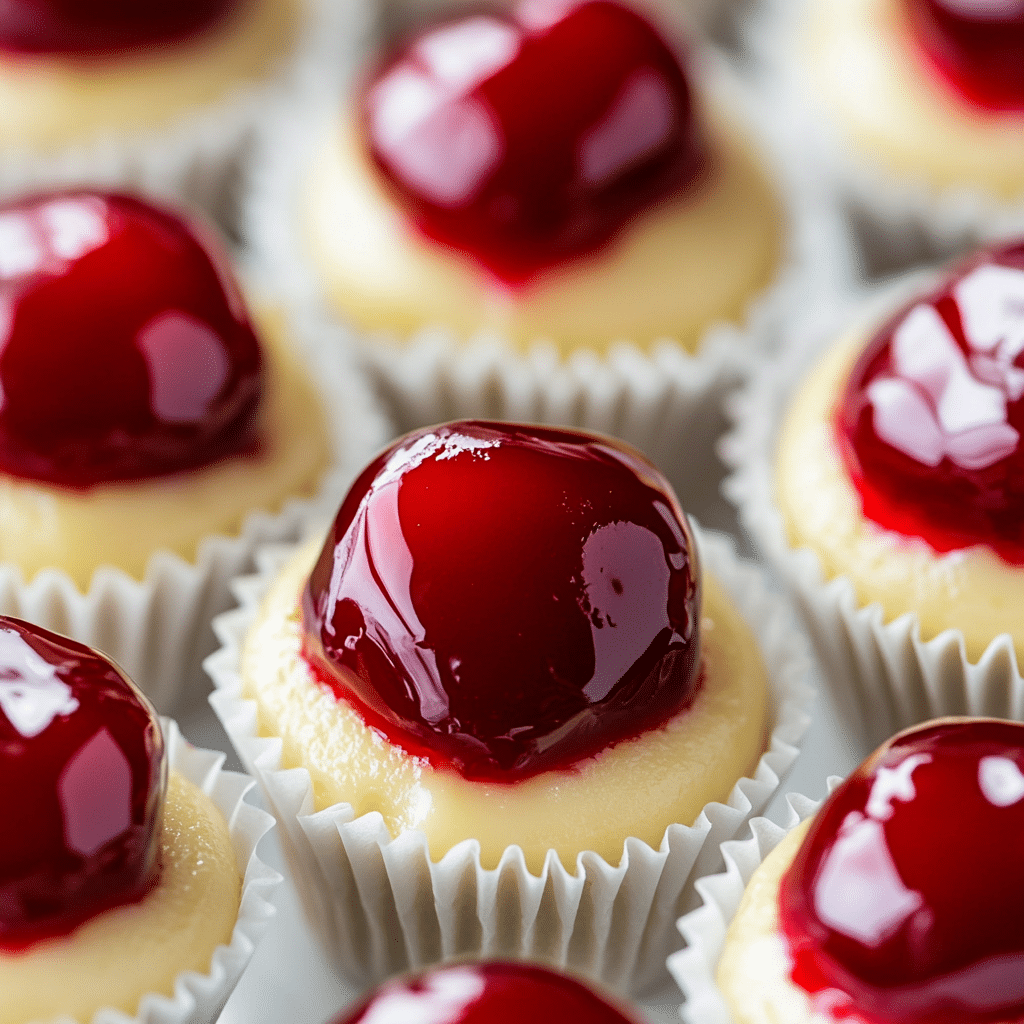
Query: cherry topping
(976, 45)
(505, 599)
(102, 26)
(125, 349)
(484, 993)
(84, 776)
(904, 904)
(528, 138)
(931, 423)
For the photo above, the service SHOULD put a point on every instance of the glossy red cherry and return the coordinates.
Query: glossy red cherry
(504, 599)
(491, 992)
(930, 425)
(905, 902)
(976, 45)
(102, 26)
(528, 138)
(84, 776)
(125, 349)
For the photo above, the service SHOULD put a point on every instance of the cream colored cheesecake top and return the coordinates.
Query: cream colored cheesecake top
(753, 971)
(682, 266)
(867, 69)
(972, 590)
(117, 957)
(635, 788)
(123, 523)
(51, 102)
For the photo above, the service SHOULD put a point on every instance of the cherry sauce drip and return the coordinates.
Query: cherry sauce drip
(84, 777)
(485, 993)
(505, 600)
(931, 421)
(529, 139)
(125, 349)
(103, 27)
(977, 47)
(904, 904)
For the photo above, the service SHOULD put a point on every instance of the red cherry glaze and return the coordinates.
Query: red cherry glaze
(86, 27)
(931, 423)
(530, 138)
(904, 904)
(505, 600)
(84, 776)
(977, 46)
(484, 993)
(125, 349)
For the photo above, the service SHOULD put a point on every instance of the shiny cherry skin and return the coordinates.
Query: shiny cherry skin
(505, 599)
(931, 423)
(125, 348)
(977, 46)
(905, 902)
(96, 27)
(491, 992)
(529, 138)
(84, 777)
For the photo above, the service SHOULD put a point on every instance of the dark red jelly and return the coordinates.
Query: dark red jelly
(905, 903)
(505, 599)
(977, 46)
(531, 137)
(931, 420)
(484, 993)
(103, 26)
(126, 349)
(83, 781)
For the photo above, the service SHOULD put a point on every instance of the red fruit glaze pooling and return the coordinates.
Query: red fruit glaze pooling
(125, 349)
(530, 138)
(506, 600)
(93, 27)
(931, 422)
(484, 993)
(84, 776)
(904, 904)
(977, 46)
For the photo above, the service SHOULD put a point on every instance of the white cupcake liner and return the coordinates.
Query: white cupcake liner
(198, 156)
(381, 905)
(898, 221)
(704, 928)
(158, 628)
(883, 676)
(643, 396)
(199, 998)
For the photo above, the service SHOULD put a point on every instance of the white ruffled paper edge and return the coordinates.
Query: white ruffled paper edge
(704, 928)
(158, 628)
(435, 375)
(380, 905)
(898, 221)
(197, 156)
(883, 676)
(199, 998)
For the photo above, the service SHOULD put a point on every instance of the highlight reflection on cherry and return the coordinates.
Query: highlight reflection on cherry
(84, 777)
(528, 138)
(504, 599)
(931, 422)
(125, 348)
(904, 903)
